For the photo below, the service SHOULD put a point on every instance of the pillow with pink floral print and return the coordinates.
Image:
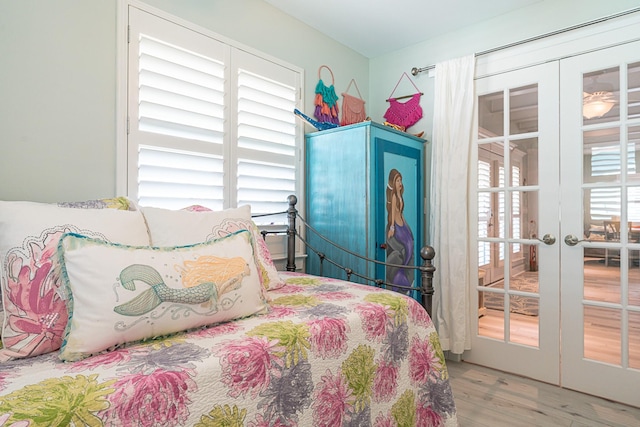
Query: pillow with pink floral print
(122, 203)
(35, 316)
(197, 224)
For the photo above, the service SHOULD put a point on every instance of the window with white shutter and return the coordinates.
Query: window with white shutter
(209, 123)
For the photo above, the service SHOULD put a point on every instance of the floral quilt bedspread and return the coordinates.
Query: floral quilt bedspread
(330, 353)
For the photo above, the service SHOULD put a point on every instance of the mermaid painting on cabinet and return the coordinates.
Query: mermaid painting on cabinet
(400, 241)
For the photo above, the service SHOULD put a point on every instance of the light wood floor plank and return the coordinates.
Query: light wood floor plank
(486, 397)
(602, 326)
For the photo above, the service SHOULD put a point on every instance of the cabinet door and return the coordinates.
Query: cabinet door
(398, 209)
(338, 199)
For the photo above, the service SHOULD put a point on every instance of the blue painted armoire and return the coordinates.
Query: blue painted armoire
(365, 190)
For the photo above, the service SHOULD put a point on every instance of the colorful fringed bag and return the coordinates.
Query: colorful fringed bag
(352, 108)
(326, 100)
(404, 114)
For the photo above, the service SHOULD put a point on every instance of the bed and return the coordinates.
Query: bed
(311, 351)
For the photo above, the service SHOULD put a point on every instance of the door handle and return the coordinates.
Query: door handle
(547, 239)
(572, 240)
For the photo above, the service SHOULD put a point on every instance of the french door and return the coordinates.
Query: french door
(516, 301)
(600, 274)
(558, 202)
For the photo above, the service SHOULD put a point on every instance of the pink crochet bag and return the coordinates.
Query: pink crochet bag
(404, 114)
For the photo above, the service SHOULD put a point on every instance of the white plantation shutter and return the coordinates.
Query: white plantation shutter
(501, 211)
(484, 212)
(266, 134)
(605, 202)
(181, 93)
(516, 214)
(209, 124)
(173, 179)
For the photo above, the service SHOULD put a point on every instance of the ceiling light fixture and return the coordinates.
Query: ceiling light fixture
(597, 104)
(599, 101)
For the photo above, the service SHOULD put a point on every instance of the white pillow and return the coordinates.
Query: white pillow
(118, 294)
(187, 227)
(35, 316)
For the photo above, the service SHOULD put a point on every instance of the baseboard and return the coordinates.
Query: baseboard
(452, 356)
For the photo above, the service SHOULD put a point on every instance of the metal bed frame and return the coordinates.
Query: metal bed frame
(426, 269)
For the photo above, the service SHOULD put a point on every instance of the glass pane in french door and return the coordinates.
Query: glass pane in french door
(508, 293)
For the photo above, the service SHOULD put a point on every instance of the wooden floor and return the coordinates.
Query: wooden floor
(602, 326)
(486, 397)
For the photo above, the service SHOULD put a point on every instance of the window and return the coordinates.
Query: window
(492, 207)
(516, 213)
(501, 207)
(605, 203)
(485, 215)
(209, 123)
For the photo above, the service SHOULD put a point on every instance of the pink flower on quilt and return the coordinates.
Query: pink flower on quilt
(32, 284)
(290, 289)
(386, 382)
(247, 364)
(280, 311)
(260, 421)
(418, 313)
(5, 417)
(374, 318)
(424, 363)
(384, 421)
(427, 417)
(365, 288)
(4, 377)
(328, 337)
(218, 330)
(104, 361)
(336, 296)
(158, 399)
(332, 401)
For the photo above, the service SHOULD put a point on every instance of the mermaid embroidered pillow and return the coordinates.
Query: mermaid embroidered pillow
(117, 294)
(196, 224)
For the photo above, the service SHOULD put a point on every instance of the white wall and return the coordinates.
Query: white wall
(57, 89)
(540, 18)
(58, 84)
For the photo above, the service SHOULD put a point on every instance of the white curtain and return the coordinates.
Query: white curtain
(449, 219)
